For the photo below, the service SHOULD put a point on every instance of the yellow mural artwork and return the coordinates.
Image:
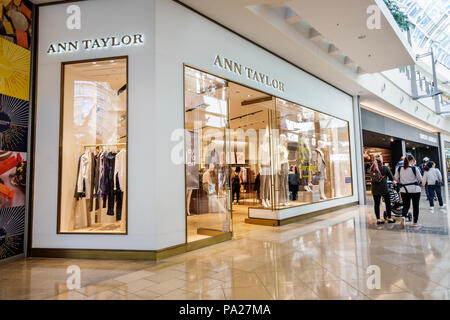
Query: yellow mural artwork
(14, 70)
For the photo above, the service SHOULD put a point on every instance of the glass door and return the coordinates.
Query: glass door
(207, 171)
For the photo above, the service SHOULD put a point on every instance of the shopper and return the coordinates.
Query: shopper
(433, 178)
(236, 184)
(380, 174)
(257, 185)
(422, 167)
(294, 182)
(410, 178)
(400, 163)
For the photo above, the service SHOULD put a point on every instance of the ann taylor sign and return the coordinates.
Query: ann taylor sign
(96, 43)
(249, 73)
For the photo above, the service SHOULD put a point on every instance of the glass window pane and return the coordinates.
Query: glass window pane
(207, 171)
(312, 156)
(93, 154)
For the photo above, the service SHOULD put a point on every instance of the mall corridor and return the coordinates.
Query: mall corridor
(325, 257)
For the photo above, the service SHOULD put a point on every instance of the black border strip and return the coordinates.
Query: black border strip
(31, 134)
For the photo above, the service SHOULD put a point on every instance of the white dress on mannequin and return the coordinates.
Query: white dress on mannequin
(265, 172)
(322, 170)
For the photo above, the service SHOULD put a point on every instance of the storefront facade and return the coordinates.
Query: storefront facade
(127, 102)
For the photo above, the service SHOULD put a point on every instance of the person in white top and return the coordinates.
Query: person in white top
(433, 177)
(410, 178)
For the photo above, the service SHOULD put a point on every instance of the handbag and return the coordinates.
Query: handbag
(438, 183)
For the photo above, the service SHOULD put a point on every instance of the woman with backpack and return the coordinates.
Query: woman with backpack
(409, 178)
(433, 177)
(379, 174)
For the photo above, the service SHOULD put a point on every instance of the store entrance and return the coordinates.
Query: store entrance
(250, 115)
(388, 147)
(223, 124)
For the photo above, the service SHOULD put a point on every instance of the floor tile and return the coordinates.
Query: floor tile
(325, 257)
(167, 286)
(333, 289)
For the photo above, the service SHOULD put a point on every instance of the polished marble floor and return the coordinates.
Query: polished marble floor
(326, 257)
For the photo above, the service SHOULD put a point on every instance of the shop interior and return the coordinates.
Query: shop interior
(93, 151)
(390, 149)
(246, 149)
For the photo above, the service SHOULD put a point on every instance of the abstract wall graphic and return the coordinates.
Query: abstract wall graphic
(16, 29)
(13, 123)
(14, 70)
(12, 228)
(15, 22)
(13, 168)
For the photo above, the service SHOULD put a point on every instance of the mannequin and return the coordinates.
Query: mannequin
(304, 158)
(192, 174)
(264, 170)
(209, 180)
(321, 172)
(283, 171)
(188, 201)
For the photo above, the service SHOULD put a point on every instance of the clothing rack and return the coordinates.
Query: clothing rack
(104, 145)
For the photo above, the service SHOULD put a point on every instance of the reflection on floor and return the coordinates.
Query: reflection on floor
(325, 257)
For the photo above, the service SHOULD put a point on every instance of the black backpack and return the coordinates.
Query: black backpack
(413, 168)
(376, 176)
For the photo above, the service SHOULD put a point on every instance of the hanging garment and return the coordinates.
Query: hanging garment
(101, 175)
(213, 158)
(83, 186)
(120, 169)
(244, 175)
(110, 160)
(93, 169)
(118, 193)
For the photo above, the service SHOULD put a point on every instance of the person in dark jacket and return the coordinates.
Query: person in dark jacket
(379, 174)
(294, 181)
(257, 185)
(422, 167)
(236, 178)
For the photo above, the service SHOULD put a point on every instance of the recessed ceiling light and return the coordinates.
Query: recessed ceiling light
(249, 95)
(94, 62)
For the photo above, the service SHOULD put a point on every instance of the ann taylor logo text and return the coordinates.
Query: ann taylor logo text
(98, 43)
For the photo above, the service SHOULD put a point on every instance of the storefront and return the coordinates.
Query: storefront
(141, 127)
(393, 139)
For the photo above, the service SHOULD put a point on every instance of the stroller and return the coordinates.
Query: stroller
(396, 202)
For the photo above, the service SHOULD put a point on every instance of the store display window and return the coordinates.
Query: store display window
(312, 156)
(93, 147)
(248, 149)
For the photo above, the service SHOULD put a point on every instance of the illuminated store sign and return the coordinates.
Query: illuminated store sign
(97, 43)
(427, 138)
(249, 73)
